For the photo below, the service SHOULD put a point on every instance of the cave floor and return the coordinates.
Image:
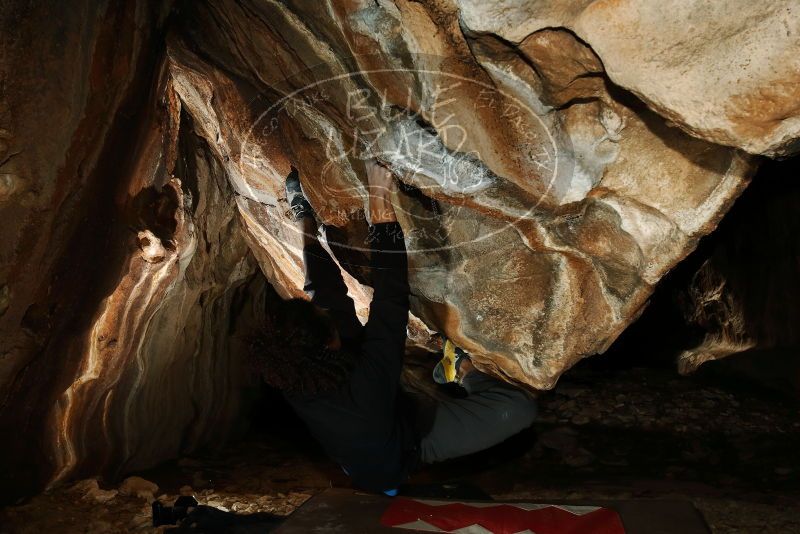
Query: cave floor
(602, 434)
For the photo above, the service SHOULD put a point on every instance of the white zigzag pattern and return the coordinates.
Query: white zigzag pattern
(575, 510)
(472, 529)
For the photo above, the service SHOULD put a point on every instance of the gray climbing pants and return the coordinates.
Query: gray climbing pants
(492, 412)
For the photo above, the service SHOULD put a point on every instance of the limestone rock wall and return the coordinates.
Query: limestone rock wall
(126, 277)
(723, 71)
(556, 160)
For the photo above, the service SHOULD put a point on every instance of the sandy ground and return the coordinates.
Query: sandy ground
(641, 433)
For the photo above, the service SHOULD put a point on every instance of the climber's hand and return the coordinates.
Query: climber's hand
(381, 187)
(378, 176)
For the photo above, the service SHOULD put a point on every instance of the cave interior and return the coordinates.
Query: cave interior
(645, 289)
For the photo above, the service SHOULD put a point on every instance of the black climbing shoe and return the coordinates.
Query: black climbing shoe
(298, 205)
(446, 371)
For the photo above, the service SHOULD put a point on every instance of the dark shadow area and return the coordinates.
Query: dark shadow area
(756, 253)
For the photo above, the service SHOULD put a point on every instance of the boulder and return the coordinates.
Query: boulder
(138, 487)
(726, 72)
(542, 201)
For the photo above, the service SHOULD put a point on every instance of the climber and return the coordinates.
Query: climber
(342, 378)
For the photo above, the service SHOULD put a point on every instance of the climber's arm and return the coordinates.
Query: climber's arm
(323, 279)
(381, 186)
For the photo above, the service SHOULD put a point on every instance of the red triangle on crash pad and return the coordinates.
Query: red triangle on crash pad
(500, 518)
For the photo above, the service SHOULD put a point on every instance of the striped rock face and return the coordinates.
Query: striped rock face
(556, 160)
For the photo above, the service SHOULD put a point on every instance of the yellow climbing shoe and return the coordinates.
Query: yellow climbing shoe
(446, 370)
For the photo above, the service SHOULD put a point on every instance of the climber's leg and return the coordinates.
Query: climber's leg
(325, 286)
(323, 280)
(493, 412)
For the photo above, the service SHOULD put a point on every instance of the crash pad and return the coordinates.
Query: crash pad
(348, 511)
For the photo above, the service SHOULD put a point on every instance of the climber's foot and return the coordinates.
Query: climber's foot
(453, 366)
(299, 208)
